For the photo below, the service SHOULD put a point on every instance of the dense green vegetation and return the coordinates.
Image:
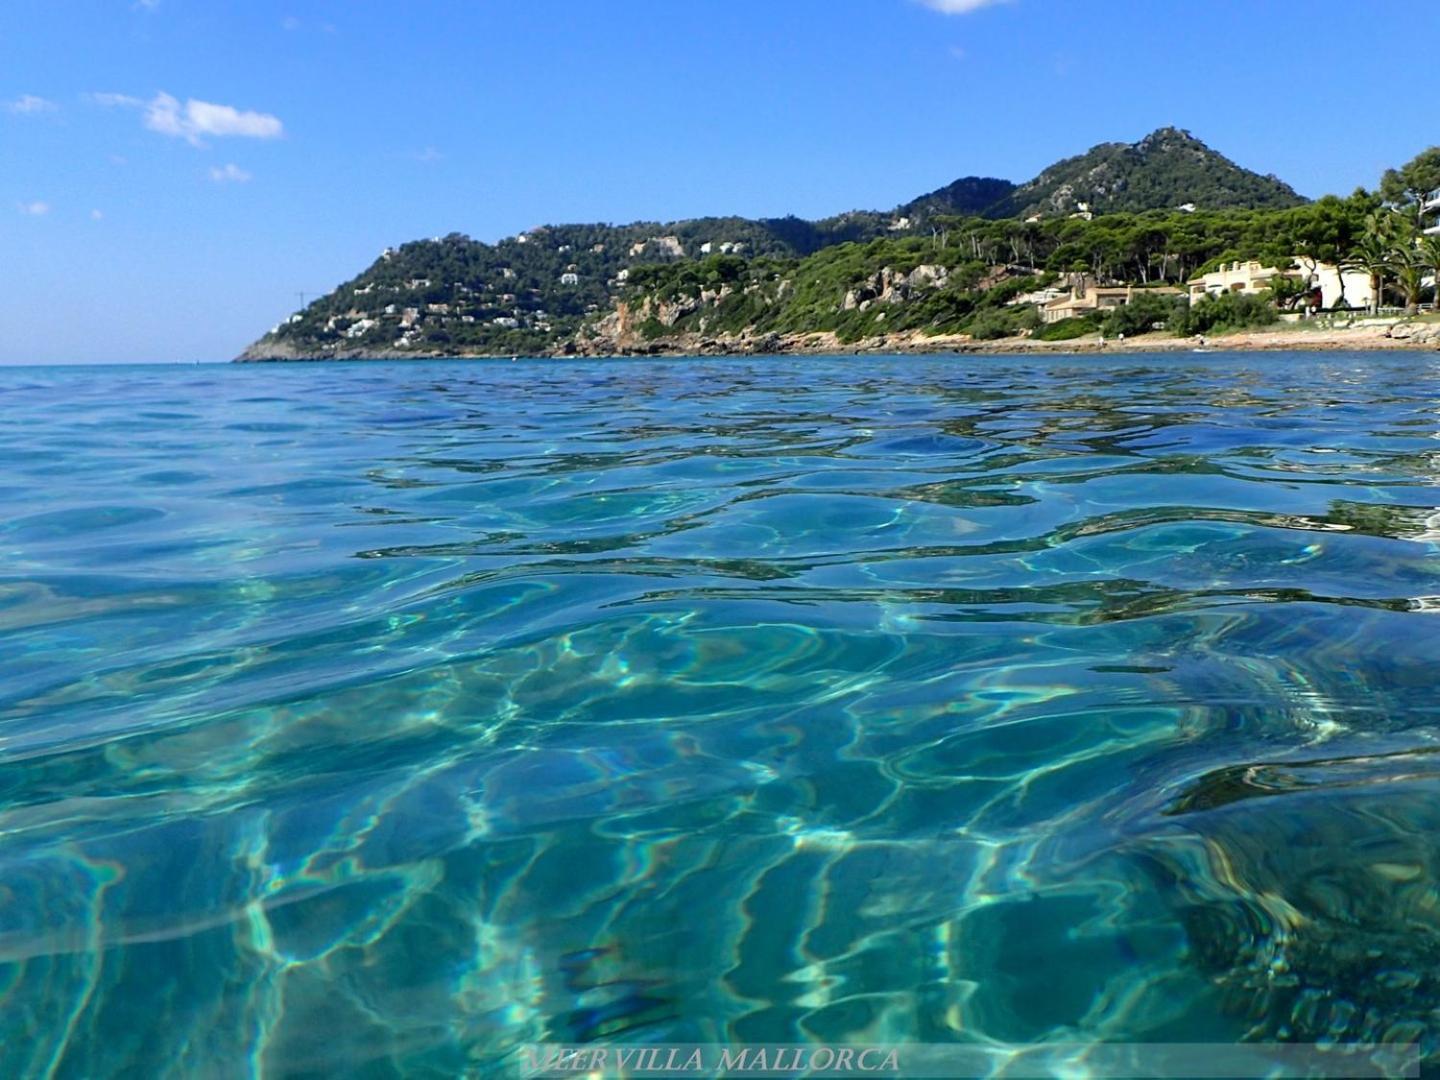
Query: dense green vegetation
(1069, 329)
(977, 196)
(863, 275)
(530, 292)
(963, 277)
(969, 273)
(855, 290)
(1167, 169)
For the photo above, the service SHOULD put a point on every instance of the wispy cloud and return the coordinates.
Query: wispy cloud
(145, 5)
(429, 155)
(291, 24)
(35, 209)
(96, 215)
(194, 120)
(228, 174)
(960, 7)
(29, 104)
(115, 101)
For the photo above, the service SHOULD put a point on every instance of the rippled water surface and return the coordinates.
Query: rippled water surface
(374, 720)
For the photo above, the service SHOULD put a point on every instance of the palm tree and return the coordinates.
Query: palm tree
(1385, 224)
(1430, 251)
(1371, 256)
(1409, 266)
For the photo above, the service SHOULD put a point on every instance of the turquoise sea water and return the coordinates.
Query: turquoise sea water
(375, 720)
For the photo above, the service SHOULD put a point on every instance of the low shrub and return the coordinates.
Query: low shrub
(1228, 311)
(1067, 329)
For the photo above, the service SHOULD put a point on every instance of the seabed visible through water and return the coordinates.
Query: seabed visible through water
(379, 720)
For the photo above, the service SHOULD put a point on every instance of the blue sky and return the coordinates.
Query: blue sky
(174, 172)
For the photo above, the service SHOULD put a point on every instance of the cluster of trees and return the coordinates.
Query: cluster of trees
(1166, 245)
(988, 264)
(1212, 314)
(840, 289)
(1393, 246)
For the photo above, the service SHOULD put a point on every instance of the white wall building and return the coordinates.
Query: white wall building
(1334, 283)
(1252, 278)
(1432, 204)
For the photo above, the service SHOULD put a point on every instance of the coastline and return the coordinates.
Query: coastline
(1409, 335)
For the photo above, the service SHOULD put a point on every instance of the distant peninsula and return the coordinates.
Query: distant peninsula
(1113, 239)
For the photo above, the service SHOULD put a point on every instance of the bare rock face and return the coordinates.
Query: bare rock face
(928, 276)
(894, 286)
(668, 313)
(273, 349)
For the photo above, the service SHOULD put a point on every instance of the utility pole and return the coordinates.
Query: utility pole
(301, 295)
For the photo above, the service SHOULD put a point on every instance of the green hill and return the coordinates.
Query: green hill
(970, 196)
(1166, 169)
(537, 291)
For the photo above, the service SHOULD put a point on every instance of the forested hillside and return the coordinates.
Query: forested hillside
(552, 289)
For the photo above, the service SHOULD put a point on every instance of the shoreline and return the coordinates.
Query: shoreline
(1419, 337)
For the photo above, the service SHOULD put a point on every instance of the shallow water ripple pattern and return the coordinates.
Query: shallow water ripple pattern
(375, 720)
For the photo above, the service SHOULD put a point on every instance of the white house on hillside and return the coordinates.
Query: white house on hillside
(1432, 204)
(1251, 278)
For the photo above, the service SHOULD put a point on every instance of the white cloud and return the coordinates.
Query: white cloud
(290, 22)
(960, 7)
(196, 118)
(29, 104)
(35, 209)
(147, 5)
(230, 174)
(111, 101)
(96, 215)
(429, 155)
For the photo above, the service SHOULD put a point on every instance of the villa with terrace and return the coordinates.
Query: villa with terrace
(1432, 204)
(1329, 286)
